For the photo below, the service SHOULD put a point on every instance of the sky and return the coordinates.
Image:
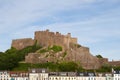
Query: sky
(96, 23)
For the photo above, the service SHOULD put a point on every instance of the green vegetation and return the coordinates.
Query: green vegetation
(54, 48)
(10, 58)
(64, 54)
(105, 68)
(116, 67)
(64, 66)
(68, 66)
(43, 51)
(77, 45)
(99, 56)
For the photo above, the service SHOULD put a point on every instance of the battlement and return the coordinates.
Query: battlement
(45, 38)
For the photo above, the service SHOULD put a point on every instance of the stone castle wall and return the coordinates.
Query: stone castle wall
(22, 43)
(74, 40)
(103, 61)
(45, 38)
(114, 63)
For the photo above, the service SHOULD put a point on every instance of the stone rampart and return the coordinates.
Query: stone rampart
(114, 63)
(75, 52)
(22, 43)
(46, 38)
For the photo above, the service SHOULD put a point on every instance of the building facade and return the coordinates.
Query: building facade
(38, 74)
(18, 75)
(44, 74)
(116, 75)
(4, 75)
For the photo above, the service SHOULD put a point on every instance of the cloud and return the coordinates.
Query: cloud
(89, 31)
(18, 13)
(15, 13)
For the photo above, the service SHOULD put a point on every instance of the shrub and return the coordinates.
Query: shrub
(56, 48)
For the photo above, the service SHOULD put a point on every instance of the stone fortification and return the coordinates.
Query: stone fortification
(71, 50)
(46, 38)
(79, 55)
(22, 43)
(114, 63)
(82, 55)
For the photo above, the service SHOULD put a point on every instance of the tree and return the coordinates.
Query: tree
(99, 56)
(11, 57)
(68, 66)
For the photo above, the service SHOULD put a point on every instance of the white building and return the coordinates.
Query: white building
(38, 74)
(86, 76)
(116, 75)
(18, 75)
(4, 75)
(43, 74)
(100, 76)
(82, 76)
(62, 76)
(109, 76)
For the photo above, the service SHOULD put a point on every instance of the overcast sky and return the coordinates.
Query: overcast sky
(96, 23)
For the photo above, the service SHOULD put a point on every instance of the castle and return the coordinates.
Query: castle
(45, 38)
(79, 54)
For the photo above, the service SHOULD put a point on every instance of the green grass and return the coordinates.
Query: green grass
(56, 48)
(63, 66)
(43, 51)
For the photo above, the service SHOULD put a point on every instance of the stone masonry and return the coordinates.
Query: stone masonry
(79, 54)
(22, 43)
(45, 38)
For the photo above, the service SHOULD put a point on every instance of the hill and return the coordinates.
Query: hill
(70, 50)
(13, 59)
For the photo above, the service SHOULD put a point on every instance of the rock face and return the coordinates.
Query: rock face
(71, 50)
(80, 55)
(83, 56)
